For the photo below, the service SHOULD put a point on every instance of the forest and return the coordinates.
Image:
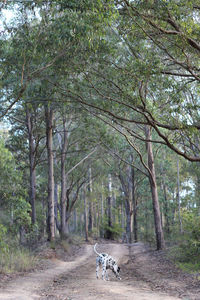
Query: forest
(100, 123)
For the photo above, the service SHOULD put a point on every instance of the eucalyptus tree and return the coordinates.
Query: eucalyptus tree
(133, 70)
(169, 31)
(39, 44)
(15, 211)
(138, 56)
(9, 182)
(124, 165)
(27, 142)
(76, 142)
(44, 35)
(123, 81)
(32, 159)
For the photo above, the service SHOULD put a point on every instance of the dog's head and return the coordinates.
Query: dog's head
(116, 270)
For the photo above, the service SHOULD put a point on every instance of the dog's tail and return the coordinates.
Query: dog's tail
(95, 249)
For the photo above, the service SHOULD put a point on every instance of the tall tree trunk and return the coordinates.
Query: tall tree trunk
(95, 214)
(152, 179)
(127, 188)
(102, 213)
(63, 181)
(85, 215)
(90, 209)
(49, 138)
(32, 192)
(134, 201)
(197, 189)
(74, 220)
(114, 207)
(57, 225)
(174, 207)
(109, 200)
(178, 198)
(123, 221)
(131, 196)
(108, 233)
(128, 221)
(166, 206)
(44, 225)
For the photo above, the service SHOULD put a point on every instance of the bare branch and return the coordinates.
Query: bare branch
(81, 161)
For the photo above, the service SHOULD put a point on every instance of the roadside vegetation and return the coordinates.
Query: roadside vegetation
(99, 127)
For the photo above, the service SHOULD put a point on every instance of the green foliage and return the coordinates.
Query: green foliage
(32, 235)
(17, 260)
(191, 229)
(11, 188)
(3, 245)
(94, 233)
(22, 212)
(187, 252)
(111, 232)
(7, 171)
(189, 267)
(100, 54)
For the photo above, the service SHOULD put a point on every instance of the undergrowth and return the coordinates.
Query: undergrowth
(186, 253)
(17, 260)
(189, 267)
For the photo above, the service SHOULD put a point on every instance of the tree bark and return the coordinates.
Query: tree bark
(32, 193)
(166, 206)
(63, 182)
(128, 221)
(74, 220)
(49, 142)
(90, 209)
(197, 190)
(108, 232)
(134, 201)
(123, 221)
(85, 215)
(178, 198)
(102, 213)
(153, 184)
(127, 189)
(110, 201)
(56, 205)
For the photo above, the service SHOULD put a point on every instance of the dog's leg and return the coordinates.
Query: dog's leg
(104, 270)
(97, 268)
(107, 275)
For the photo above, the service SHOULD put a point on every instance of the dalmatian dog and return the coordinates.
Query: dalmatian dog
(107, 262)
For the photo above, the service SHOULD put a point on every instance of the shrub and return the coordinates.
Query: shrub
(17, 260)
(190, 241)
(111, 232)
(3, 245)
(187, 252)
(32, 236)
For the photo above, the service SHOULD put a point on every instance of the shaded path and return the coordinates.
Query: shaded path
(29, 286)
(81, 283)
(76, 280)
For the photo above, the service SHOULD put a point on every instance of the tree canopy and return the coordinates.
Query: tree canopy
(101, 98)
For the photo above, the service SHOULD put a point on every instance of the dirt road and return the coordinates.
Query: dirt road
(76, 280)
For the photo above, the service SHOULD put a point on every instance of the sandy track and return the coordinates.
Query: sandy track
(28, 287)
(76, 281)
